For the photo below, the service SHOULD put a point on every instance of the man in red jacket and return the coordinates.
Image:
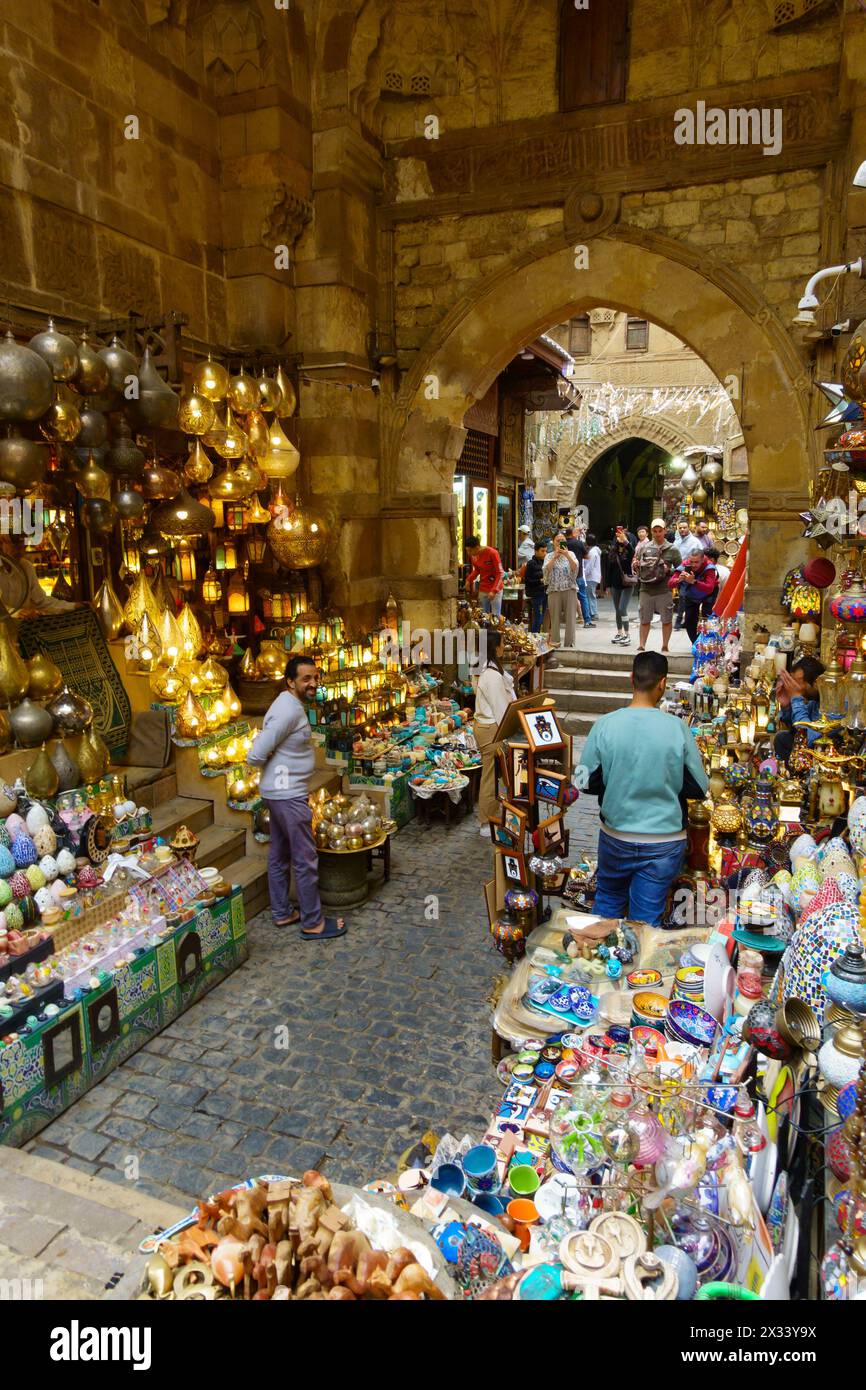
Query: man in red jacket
(699, 581)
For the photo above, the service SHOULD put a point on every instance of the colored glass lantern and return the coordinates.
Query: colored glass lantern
(255, 547)
(211, 588)
(227, 555)
(235, 516)
(850, 605)
(183, 567)
(238, 595)
(806, 602)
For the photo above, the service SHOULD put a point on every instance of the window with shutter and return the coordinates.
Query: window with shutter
(580, 336)
(593, 53)
(636, 335)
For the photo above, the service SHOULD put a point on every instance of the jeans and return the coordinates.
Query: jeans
(591, 586)
(583, 599)
(621, 599)
(492, 603)
(537, 610)
(634, 879)
(293, 847)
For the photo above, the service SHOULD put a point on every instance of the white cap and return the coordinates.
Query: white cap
(658, 522)
(527, 529)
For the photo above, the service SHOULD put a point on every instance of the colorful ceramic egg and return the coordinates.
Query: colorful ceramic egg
(8, 799)
(5, 893)
(19, 884)
(805, 883)
(849, 887)
(44, 899)
(782, 881)
(23, 850)
(88, 877)
(14, 917)
(36, 817)
(15, 824)
(45, 840)
(65, 862)
(7, 863)
(5, 837)
(804, 847)
(35, 877)
(28, 909)
(48, 865)
(857, 825)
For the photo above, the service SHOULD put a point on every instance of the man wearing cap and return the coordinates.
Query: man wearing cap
(654, 562)
(526, 548)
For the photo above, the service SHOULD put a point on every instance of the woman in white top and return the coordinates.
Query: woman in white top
(493, 694)
(561, 569)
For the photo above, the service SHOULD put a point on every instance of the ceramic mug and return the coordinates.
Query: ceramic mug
(479, 1165)
(523, 1181)
(524, 1214)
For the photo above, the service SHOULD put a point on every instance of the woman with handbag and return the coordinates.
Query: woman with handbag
(621, 581)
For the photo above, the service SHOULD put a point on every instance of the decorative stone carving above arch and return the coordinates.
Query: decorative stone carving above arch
(574, 462)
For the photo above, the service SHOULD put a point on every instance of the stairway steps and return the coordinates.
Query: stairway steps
(221, 847)
(580, 678)
(251, 873)
(589, 701)
(618, 659)
(149, 786)
(182, 810)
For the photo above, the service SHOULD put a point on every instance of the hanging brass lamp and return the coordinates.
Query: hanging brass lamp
(298, 537)
(196, 414)
(46, 678)
(93, 375)
(258, 434)
(288, 395)
(198, 467)
(226, 436)
(93, 481)
(243, 393)
(183, 516)
(58, 350)
(62, 421)
(159, 484)
(270, 395)
(109, 610)
(210, 379)
(282, 458)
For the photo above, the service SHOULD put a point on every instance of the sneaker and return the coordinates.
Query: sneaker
(626, 641)
(620, 637)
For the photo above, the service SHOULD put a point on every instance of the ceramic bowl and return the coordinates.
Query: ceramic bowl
(647, 1037)
(649, 1007)
(691, 1023)
(450, 1179)
(644, 979)
(479, 1166)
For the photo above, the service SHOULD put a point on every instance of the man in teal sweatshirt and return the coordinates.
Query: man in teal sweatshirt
(643, 765)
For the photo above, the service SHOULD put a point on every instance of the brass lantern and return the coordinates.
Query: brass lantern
(183, 516)
(210, 379)
(191, 638)
(227, 554)
(196, 414)
(298, 537)
(191, 720)
(198, 467)
(282, 458)
(183, 567)
(238, 594)
(254, 548)
(235, 514)
(211, 589)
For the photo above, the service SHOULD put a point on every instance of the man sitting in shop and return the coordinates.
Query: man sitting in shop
(283, 748)
(486, 568)
(642, 765)
(799, 700)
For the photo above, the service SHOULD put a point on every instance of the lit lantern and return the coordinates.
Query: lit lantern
(234, 708)
(190, 632)
(131, 557)
(227, 555)
(761, 708)
(257, 515)
(169, 638)
(254, 549)
(211, 588)
(148, 642)
(184, 563)
(191, 719)
(235, 516)
(238, 595)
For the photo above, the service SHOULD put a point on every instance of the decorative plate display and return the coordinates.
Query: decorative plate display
(650, 1005)
(644, 979)
(690, 1023)
(649, 1037)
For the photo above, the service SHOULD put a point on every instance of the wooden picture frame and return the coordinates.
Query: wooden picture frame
(490, 901)
(501, 837)
(520, 771)
(509, 725)
(514, 868)
(503, 763)
(553, 793)
(514, 822)
(541, 729)
(551, 833)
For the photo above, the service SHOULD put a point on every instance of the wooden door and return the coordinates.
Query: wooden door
(593, 53)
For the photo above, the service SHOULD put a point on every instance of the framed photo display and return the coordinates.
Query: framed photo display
(514, 868)
(541, 729)
(551, 833)
(514, 824)
(549, 786)
(502, 837)
(520, 771)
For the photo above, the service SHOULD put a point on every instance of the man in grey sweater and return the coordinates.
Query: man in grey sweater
(284, 749)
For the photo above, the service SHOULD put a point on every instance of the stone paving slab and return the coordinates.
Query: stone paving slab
(337, 1056)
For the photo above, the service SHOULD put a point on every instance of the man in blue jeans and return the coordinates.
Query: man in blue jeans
(534, 587)
(643, 765)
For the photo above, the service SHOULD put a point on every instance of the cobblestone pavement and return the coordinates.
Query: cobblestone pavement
(334, 1056)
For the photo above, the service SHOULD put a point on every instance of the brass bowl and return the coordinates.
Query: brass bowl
(798, 1025)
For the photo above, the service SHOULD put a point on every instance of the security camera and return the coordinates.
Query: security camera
(839, 328)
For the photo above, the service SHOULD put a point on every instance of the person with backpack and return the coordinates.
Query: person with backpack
(699, 588)
(621, 581)
(655, 562)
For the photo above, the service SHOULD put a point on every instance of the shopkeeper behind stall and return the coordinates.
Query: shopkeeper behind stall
(283, 748)
(493, 694)
(798, 699)
(486, 567)
(37, 601)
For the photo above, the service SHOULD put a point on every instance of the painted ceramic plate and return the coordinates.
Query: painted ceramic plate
(690, 1023)
(644, 979)
(719, 981)
(650, 1005)
(646, 1036)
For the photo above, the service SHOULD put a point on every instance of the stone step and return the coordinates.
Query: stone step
(150, 786)
(585, 678)
(578, 725)
(588, 701)
(182, 810)
(618, 659)
(251, 873)
(220, 847)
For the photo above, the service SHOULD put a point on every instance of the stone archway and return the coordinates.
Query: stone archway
(573, 465)
(710, 308)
